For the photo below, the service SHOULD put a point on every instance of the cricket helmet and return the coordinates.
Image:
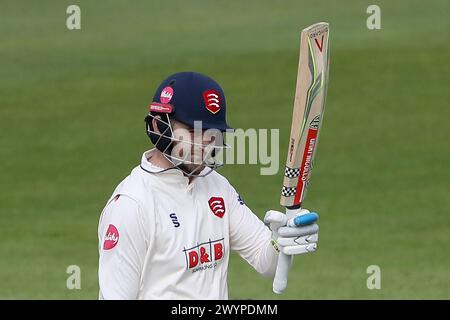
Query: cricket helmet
(190, 98)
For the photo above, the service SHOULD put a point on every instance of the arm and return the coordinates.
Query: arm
(250, 238)
(122, 248)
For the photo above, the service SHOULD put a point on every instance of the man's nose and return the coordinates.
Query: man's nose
(205, 139)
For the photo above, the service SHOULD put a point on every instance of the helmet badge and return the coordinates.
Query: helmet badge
(212, 101)
(166, 95)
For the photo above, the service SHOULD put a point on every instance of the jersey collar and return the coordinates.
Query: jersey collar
(171, 176)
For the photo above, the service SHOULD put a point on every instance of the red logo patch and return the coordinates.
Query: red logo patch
(217, 206)
(212, 100)
(111, 238)
(166, 95)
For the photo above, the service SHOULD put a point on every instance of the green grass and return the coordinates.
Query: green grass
(71, 116)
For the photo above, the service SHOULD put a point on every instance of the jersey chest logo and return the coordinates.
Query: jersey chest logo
(217, 206)
(205, 255)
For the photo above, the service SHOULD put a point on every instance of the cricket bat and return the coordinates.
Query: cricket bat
(307, 118)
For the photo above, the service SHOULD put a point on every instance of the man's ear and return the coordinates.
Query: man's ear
(155, 121)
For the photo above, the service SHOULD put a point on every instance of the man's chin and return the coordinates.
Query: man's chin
(193, 169)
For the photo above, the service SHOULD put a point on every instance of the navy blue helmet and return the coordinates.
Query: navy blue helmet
(186, 97)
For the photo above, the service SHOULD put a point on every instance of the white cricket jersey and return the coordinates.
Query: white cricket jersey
(161, 237)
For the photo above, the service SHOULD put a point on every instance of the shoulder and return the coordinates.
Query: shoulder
(131, 200)
(136, 186)
(121, 209)
(219, 182)
(123, 225)
(121, 214)
(218, 179)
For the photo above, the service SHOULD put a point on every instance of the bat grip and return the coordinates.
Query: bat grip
(284, 262)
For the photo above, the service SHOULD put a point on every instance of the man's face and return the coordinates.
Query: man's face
(196, 146)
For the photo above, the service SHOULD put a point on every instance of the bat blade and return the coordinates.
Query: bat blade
(309, 104)
(307, 114)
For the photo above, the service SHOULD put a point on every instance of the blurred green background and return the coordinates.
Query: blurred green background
(72, 105)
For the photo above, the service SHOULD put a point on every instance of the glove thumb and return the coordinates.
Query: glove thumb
(275, 219)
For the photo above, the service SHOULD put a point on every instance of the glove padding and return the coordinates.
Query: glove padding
(294, 236)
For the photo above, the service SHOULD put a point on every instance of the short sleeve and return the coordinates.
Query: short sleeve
(123, 244)
(250, 237)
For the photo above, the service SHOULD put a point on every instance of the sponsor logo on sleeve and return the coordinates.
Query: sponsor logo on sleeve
(111, 238)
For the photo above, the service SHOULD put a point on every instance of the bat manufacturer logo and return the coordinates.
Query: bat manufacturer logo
(166, 95)
(320, 46)
(306, 164)
(111, 237)
(212, 101)
(217, 206)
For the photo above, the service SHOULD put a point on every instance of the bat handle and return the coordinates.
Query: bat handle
(284, 262)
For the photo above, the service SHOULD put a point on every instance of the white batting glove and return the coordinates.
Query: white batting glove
(294, 236)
